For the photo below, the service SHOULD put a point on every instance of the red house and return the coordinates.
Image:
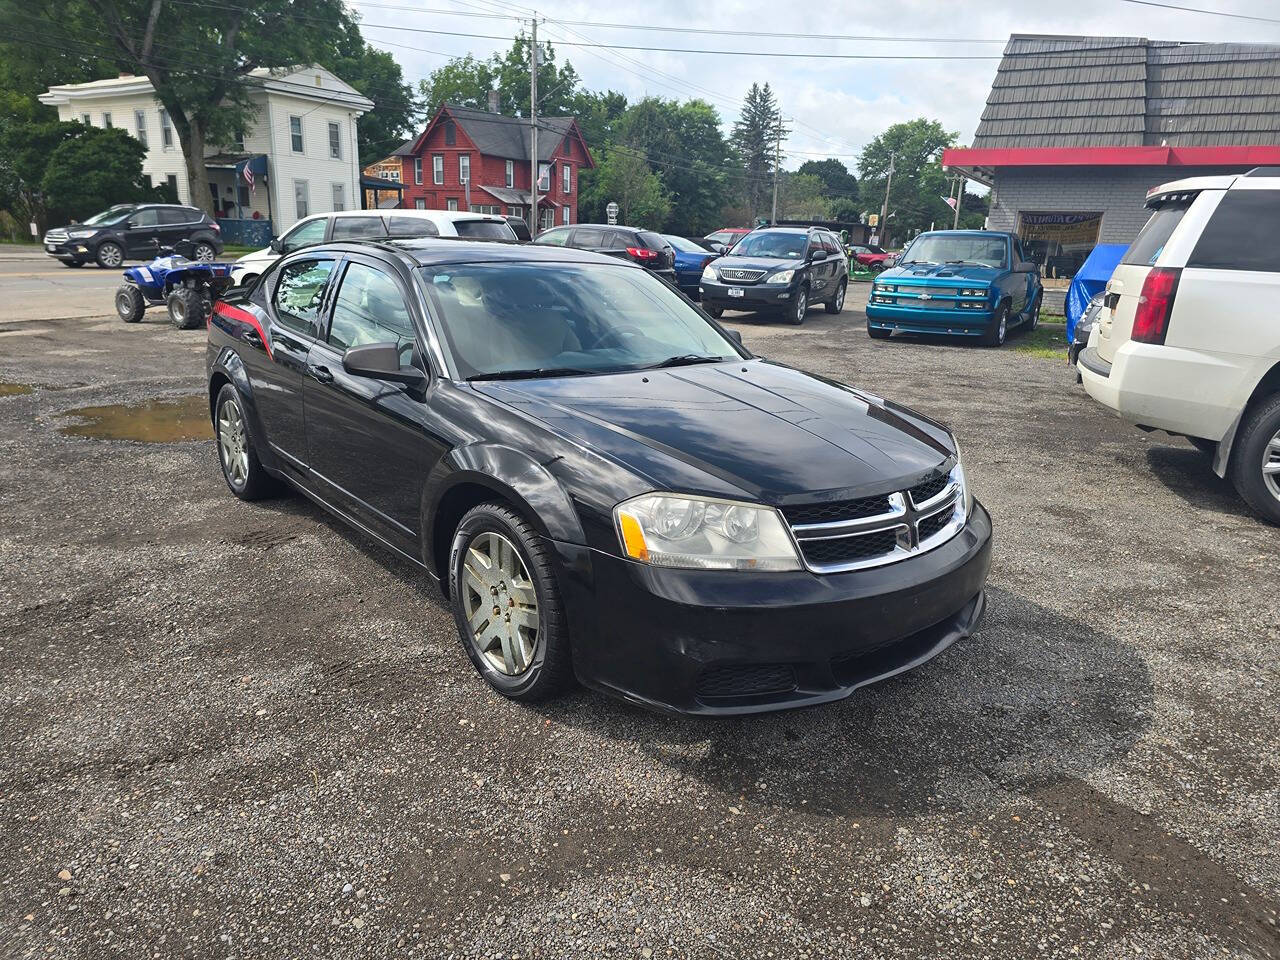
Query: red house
(489, 153)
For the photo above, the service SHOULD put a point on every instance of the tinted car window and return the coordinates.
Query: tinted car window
(369, 309)
(588, 237)
(356, 228)
(411, 227)
(485, 229)
(653, 241)
(617, 240)
(1150, 241)
(148, 217)
(1243, 234)
(173, 215)
(554, 238)
(299, 295)
(685, 246)
(305, 235)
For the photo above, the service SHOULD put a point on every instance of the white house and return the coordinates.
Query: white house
(301, 146)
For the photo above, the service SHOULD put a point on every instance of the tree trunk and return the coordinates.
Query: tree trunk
(191, 139)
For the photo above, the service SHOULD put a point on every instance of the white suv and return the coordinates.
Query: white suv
(371, 225)
(1188, 340)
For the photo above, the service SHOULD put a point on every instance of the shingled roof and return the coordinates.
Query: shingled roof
(499, 136)
(1060, 91)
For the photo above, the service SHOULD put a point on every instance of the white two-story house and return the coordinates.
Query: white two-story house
(300, 147)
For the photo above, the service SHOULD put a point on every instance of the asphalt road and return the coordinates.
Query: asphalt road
(34, 287)
(242, 731)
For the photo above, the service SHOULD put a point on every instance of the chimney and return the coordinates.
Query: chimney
(493, 101)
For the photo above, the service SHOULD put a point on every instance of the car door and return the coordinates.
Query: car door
(369, 446)
(142, 234)
(299, 291)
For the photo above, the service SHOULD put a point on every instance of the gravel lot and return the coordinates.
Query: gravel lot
(242, 731)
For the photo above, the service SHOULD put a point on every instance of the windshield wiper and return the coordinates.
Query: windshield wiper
(976, 263)
(920, 263)
(533, 373)
(683, 360)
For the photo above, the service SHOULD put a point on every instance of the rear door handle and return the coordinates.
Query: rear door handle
(322, 374)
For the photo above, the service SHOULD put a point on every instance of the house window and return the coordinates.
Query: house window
(420, 203)
(566, 215)
(544, 177)
(339, 196)
(464, 168)
(568, 177)
(515, 212)
(335, 142)
(450, 133)
(511, 173)
(140, 125)
(437, 168)
(417, 169)
(106, 120)
(166, 131)
(238, 141)
(295, 133)
(172, 181)
(451, 204)
(489, 208)
(86, 119)
(548, 218)
(301, 198)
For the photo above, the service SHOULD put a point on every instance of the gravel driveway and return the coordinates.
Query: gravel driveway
(243, 731)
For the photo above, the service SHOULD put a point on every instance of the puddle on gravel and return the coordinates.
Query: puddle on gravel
(14, 389)
(155, 421)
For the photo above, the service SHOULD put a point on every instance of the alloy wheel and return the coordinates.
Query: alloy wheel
(110, 255)
(1271, 466)
(233, 443)
(802, 304)
(840, 298)
(500, 604)
(177, 311)
(204, 253)
(1004, 327)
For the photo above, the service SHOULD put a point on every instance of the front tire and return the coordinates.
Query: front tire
(130, 304)
(188, 308)
(109, 255)
(716, 312)
(799, 308)
(1255, 460)
(507, 605)
(998, 329)
(836, 304)
(241, 468)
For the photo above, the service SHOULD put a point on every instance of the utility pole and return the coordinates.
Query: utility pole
(777, 162)
(884, 211)
(533, 125)
(955, 225)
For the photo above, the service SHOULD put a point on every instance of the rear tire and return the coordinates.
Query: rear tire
(520, 663)
(1031, 319)
(876, 334)
(188, 308)
(241, 468)
(130, 304)
(1255, 459)
(998, 329)
(203, 252)
(836, 304)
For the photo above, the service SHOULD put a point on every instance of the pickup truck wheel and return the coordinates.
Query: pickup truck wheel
(876, 334)
(1255, 461)
(130, 304)
(998, 328)
(716, 312)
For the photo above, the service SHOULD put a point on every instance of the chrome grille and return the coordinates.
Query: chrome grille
(56, 236)
(744, 276)
(873, 531)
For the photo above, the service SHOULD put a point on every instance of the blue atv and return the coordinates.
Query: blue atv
(186, 287)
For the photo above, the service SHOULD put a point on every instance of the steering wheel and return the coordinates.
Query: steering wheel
(614, 338)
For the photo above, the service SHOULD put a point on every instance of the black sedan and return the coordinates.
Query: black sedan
(605, 483)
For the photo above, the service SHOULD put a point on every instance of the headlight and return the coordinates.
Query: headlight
(81, 234)
(709, 272)
(701, 533)
(782, 276)
(975, 292)
(958, 473)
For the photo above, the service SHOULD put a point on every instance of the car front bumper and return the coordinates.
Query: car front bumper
(754, 296)
(912, 319)
(721, 643)
(68, 250)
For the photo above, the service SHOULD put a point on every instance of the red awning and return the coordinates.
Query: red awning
(980, 162)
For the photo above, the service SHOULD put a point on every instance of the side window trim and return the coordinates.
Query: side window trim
(310, 335)
(407, 296)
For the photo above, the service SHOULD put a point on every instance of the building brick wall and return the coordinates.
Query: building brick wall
(1118, 193)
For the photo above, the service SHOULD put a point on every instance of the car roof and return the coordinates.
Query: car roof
(968, 233)
(800, 230)
(430, 251)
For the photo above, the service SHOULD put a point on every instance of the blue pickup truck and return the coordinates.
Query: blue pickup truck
(972, 283)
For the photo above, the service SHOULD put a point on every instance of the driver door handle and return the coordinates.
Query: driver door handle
(321, 373)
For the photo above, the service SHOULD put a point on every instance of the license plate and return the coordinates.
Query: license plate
(51, 246)
(736, 292)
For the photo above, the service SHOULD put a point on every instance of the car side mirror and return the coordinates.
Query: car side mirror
(734, 335)
(816, 255)
(381, 361)
(276, 246)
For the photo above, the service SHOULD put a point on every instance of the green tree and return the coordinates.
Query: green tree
(377, 75)
(802, 196)
(919, 186)
(26, 143)
(198, 57)
(837, 181)
(625, 178)
(464, 81)
(93, 169)
(755, 137)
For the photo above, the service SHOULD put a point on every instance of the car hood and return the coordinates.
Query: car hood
(775, 434)
(943, 271)
(731, 262)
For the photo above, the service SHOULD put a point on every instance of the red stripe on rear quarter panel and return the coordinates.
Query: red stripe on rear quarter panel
(242, 316)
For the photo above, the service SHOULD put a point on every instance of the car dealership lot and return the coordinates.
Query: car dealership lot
(241, 730)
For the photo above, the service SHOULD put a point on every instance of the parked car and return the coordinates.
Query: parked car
(726, 238)
(778, 270)
(691, 260)
(520, 227)
(134, 231)
(372, 225)
(604, 482)
(972, 283)
(1189, 338)
(644, 247)
(869, 255)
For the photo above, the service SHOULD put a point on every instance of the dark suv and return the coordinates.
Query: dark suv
(606, 484)
(134, 231)
(644, 247)
(778, 270)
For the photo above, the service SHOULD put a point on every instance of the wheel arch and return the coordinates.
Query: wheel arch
(1265, 387)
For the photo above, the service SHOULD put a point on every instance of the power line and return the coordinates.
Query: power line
(1216, 13)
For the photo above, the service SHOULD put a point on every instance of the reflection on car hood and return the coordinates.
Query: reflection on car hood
(942, 271)
(776, 434)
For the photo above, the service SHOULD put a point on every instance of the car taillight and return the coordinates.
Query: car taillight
(643, 253)
(1155, 304)
(216, 225)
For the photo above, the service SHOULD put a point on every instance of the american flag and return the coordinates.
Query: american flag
(248, 177)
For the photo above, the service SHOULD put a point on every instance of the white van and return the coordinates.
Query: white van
(371, 225)
(1188, 340)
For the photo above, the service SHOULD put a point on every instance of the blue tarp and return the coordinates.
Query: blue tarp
(1090, 279)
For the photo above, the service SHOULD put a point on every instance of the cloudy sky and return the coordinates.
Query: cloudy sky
(835, 105)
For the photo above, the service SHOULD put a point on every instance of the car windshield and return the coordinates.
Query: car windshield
(540, 319)
(986, 251)
(108, 217)
(783, 246)
(683, 245)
